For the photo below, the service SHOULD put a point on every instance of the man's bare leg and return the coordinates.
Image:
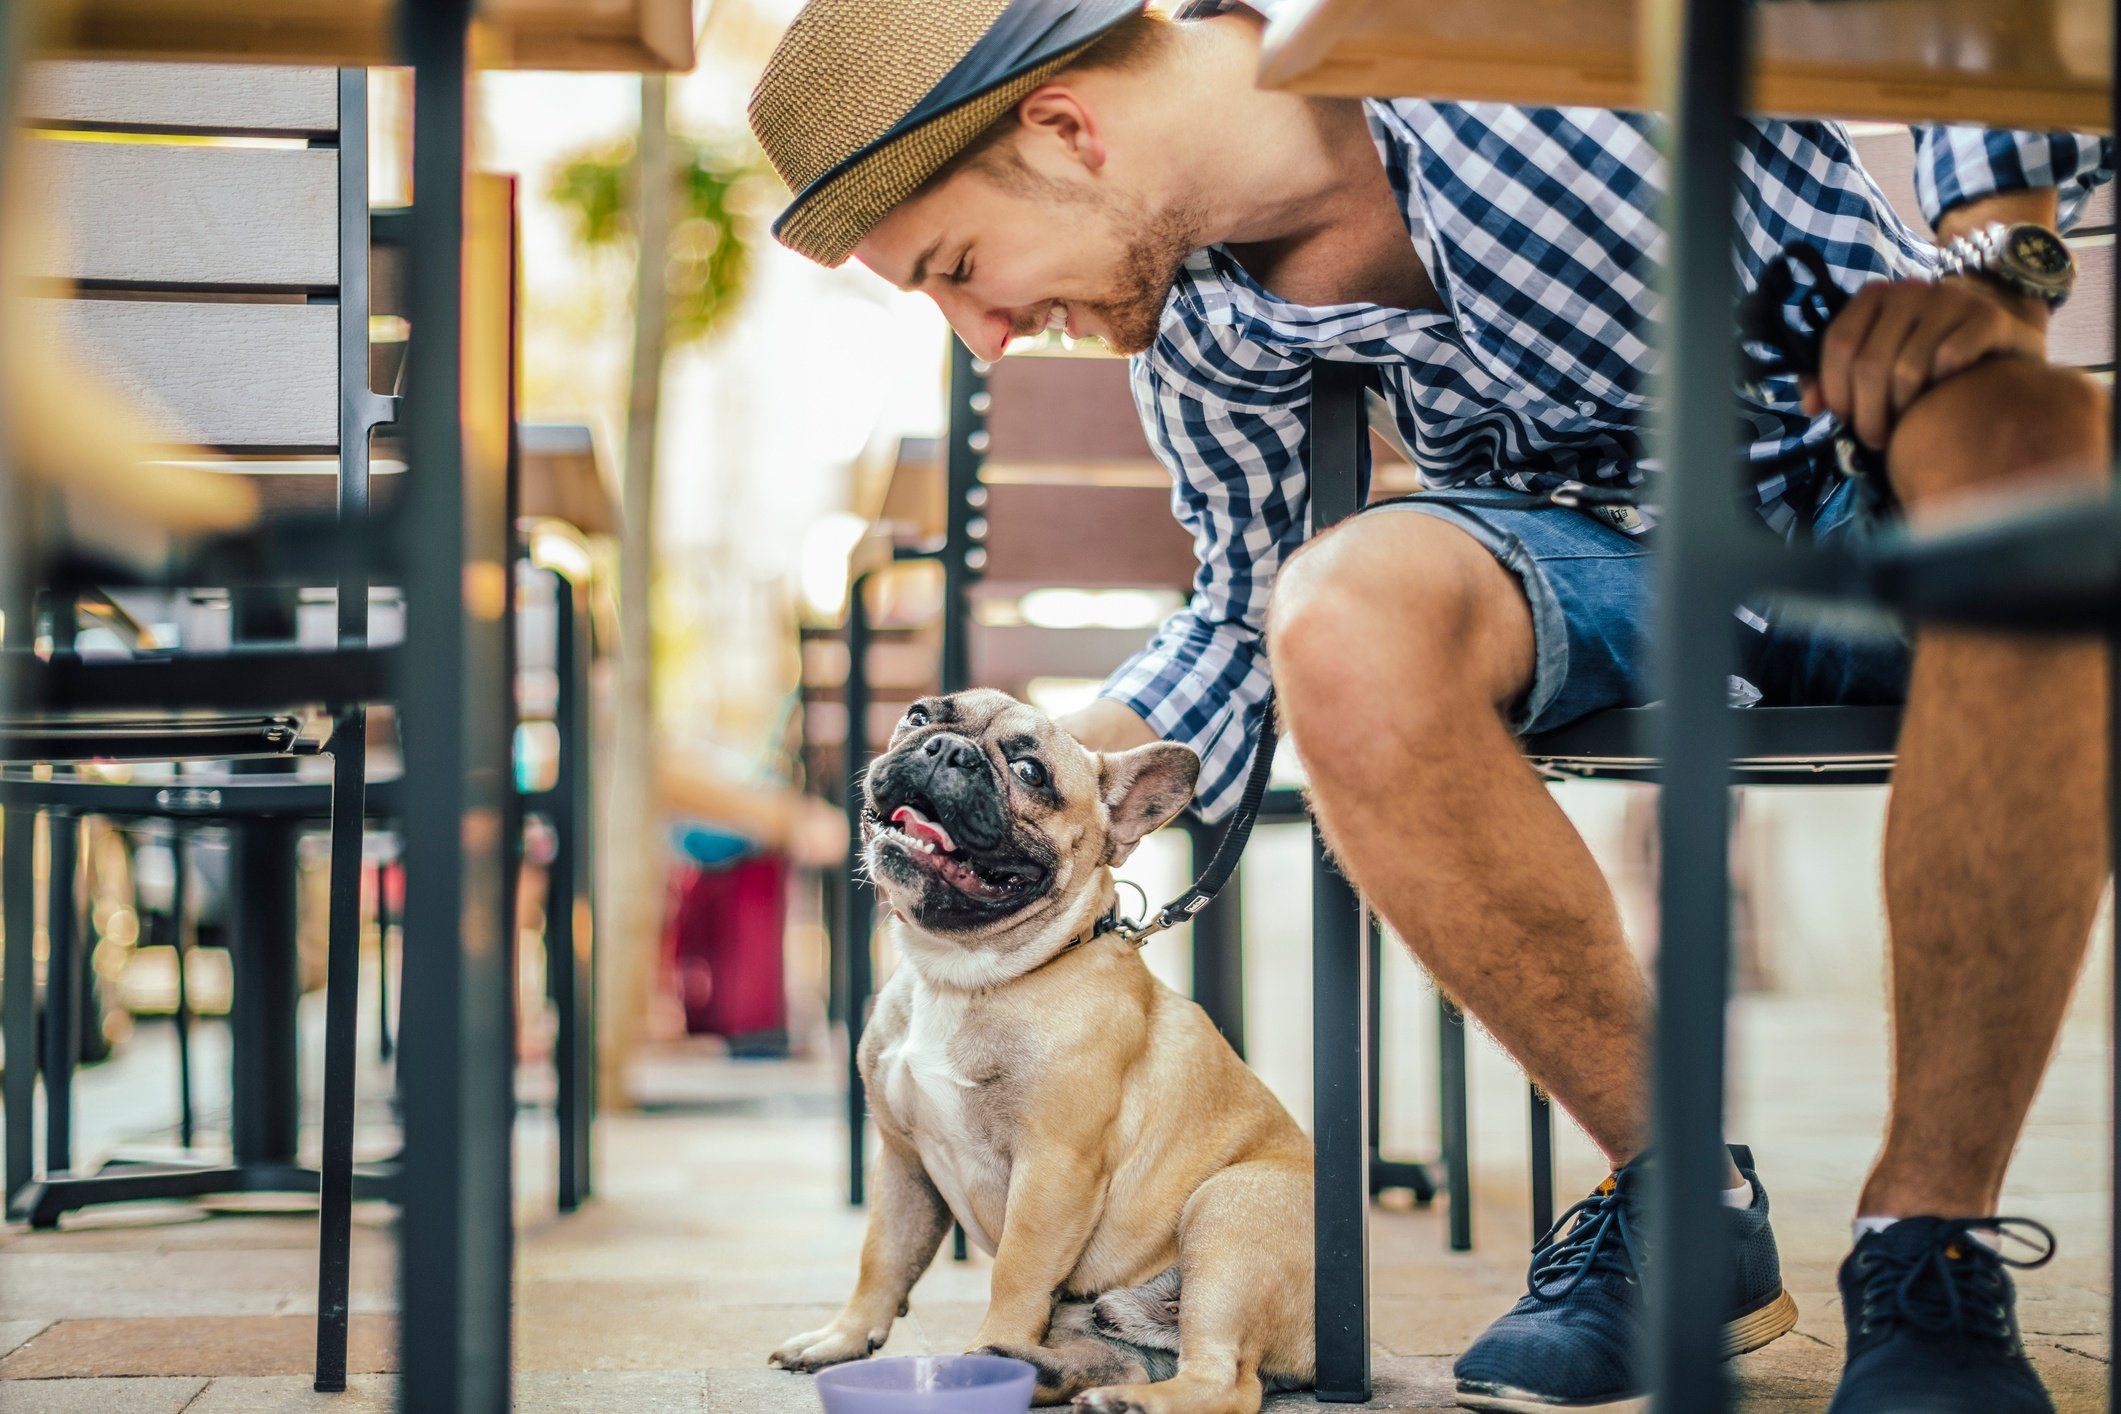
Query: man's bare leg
(1397, 644)
(1996, 842)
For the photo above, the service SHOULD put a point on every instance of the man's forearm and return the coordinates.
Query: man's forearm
(1108, 725)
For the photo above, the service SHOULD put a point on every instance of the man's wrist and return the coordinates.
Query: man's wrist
(1108, 724)
(2029, 310)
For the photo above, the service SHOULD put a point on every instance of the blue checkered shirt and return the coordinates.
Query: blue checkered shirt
(1538, 227)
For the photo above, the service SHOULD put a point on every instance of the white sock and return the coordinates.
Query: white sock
(1739, 1197)
(1864, 1226)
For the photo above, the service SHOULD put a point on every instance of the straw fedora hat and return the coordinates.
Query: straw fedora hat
(864, 100)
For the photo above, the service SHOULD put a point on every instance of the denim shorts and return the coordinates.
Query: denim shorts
(1592, 591)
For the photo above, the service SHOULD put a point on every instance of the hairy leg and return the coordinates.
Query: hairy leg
(1398, 643)
(1996, 843)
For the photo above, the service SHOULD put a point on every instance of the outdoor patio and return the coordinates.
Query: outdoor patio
(720, 1225)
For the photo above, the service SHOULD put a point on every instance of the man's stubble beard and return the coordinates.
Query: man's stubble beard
(1149, 269)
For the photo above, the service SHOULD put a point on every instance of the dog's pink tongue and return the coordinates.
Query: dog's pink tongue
(919, 824)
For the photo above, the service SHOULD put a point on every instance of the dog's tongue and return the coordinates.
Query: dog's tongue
(919, 824)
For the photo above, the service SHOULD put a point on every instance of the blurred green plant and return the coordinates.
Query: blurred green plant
(712, 224)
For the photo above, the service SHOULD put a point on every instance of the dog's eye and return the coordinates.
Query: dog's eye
(1029, 772)
(916, 716)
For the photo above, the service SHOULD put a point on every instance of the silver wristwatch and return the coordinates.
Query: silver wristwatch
(2029, 259)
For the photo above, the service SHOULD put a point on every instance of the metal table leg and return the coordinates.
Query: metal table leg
(456, 1237)
(1702, 558)
(266, 1106)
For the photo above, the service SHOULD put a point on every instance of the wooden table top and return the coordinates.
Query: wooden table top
(655, 36)
(2006, 63)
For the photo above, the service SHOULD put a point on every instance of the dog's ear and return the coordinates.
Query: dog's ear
(1143, 789)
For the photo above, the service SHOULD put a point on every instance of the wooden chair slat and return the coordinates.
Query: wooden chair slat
(185, 218)
(1086, 537)
(1063, 409)
(218, 99)
(259, 377)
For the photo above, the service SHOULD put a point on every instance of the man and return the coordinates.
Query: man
(1029, 163)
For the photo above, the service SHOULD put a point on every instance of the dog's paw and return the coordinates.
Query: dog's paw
(1113, 1399)
(833, 1345)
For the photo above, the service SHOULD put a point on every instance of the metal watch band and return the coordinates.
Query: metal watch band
(1981, 252)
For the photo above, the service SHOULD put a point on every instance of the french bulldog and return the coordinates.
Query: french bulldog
(1145, 1198)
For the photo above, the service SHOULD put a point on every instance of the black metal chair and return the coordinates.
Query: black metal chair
(186, 358)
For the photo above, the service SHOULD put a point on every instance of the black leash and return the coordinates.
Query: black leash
(1224, 861)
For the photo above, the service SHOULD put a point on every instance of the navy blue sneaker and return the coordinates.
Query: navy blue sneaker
(1933, 1323)
(1573, 1341)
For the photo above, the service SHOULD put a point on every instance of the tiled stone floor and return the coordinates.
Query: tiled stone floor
(719, 1228)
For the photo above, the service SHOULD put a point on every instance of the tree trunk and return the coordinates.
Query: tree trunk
(633, 858)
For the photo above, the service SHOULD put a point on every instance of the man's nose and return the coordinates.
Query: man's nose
(946, 749)
(985, 331)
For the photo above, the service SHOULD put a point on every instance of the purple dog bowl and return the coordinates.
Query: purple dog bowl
(928, 1384)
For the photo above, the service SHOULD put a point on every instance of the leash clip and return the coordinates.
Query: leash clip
(1136, 930)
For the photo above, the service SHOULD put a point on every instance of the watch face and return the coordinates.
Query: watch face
(2038, 252)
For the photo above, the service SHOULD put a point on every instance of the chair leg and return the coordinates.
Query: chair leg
(857, 903)
(62, 1003)
(1457, 1163)
(1339, 1036)
(342, 1010)
(1386, 1174)
(1542, 1121)
(18, 1002)
(179, 905)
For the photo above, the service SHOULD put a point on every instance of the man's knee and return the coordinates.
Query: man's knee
(2003, 421)
(1401, 606)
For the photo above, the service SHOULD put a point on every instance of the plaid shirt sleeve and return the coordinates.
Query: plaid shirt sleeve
(1228, 419)
(1958, 164)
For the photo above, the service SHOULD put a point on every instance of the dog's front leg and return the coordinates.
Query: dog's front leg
(1056, 1194)
(907, 1219)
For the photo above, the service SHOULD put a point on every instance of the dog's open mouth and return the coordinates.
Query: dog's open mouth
(925, 842)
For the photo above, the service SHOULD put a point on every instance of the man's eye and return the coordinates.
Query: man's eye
(916, 716)
(1029, 772)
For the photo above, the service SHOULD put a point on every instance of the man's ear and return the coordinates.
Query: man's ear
(1055, 111)
(1143, 789)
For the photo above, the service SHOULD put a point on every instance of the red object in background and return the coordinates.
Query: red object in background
(726, 926)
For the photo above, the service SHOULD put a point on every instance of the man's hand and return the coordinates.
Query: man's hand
(1107, 725)
(1898, 338)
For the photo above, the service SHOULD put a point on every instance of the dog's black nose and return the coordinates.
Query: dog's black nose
(950, 750)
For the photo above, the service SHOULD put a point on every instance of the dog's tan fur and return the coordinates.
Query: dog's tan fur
(1085, 1124)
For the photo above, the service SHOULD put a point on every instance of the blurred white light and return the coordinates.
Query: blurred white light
(827, 543)
(1057, 696)
(1096, 608)
(562, 553)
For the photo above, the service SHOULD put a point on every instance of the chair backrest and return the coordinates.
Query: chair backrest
(196, 256)
(1075, 498)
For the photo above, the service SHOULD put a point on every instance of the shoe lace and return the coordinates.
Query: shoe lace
(1592, 1236)
(1953, 1281)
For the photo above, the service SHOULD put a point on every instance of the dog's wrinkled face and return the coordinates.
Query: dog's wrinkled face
(985, 820)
